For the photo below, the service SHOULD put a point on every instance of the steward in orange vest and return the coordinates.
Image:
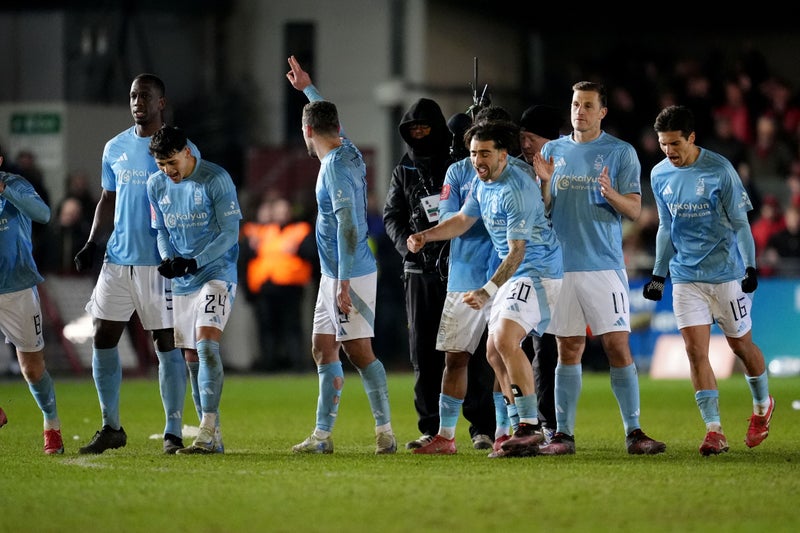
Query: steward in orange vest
(276, 258)
(279, 258)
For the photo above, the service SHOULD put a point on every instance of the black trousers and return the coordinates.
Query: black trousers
(280, 329)
(425, 296)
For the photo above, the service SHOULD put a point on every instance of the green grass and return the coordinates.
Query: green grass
(259, 485)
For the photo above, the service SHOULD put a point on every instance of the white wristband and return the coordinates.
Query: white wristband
(490, 288)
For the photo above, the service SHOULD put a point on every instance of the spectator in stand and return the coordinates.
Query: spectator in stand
(77, 185)
(783, 248)
(734, 107)
(25, 166)
(770, 221)
(29, 169)
(793, 185)
(782, 105)
(649, 154)
(281, 260)
(770, 157)
(639, 241)
(723, 141)
(699, 95)
(68, 235)
(752, 189)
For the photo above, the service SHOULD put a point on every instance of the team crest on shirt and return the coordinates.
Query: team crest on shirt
(598, 162)
(700, 187)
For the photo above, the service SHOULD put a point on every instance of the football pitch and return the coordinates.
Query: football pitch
(260, 485)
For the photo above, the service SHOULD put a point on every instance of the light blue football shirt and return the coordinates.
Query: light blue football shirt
(589, 229)
(512, 209)
(126, 165)
(472, 257)
(20, 204)
(702, 209)
(341, 227)
(201, 214)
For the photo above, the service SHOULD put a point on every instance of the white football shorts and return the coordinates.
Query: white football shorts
(698, 304)
(526, 301)
(360, 322)
(21, 319)
(461, 327)
(210, 306)
(598, 299)
(123, 289)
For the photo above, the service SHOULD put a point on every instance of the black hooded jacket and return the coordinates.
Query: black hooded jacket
(419, 174)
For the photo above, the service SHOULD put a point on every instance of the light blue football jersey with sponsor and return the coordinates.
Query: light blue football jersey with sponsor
(512, 209)
(126, 166)
(702, 206)
(472, 259)
(341, 227)
(589, 229)
(20, 205)
(201, 215)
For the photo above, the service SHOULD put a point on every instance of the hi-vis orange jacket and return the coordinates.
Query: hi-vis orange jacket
(276, 258)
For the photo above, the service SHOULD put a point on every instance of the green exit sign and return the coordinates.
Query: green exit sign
(35, 123)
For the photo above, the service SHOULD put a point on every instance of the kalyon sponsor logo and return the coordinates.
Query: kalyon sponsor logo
(575, 182)
(132, 175)
(173, 219)
(689, 206)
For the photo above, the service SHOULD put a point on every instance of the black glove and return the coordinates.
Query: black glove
(655, 289)
(165, 269)
(85, 258)
(182, 266)
(750, 280)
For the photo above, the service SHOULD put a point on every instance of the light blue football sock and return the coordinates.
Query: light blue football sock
(194, 369)
(107, 374)
(513, 415)
(44, 393)
(331, 383)
(373, 376)
(210, 375)
(625, 384)
(172, 385)
(708, 403)
(759, 388)
(501, 420)
(449, 411)
(568, 384)
(527, 408)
